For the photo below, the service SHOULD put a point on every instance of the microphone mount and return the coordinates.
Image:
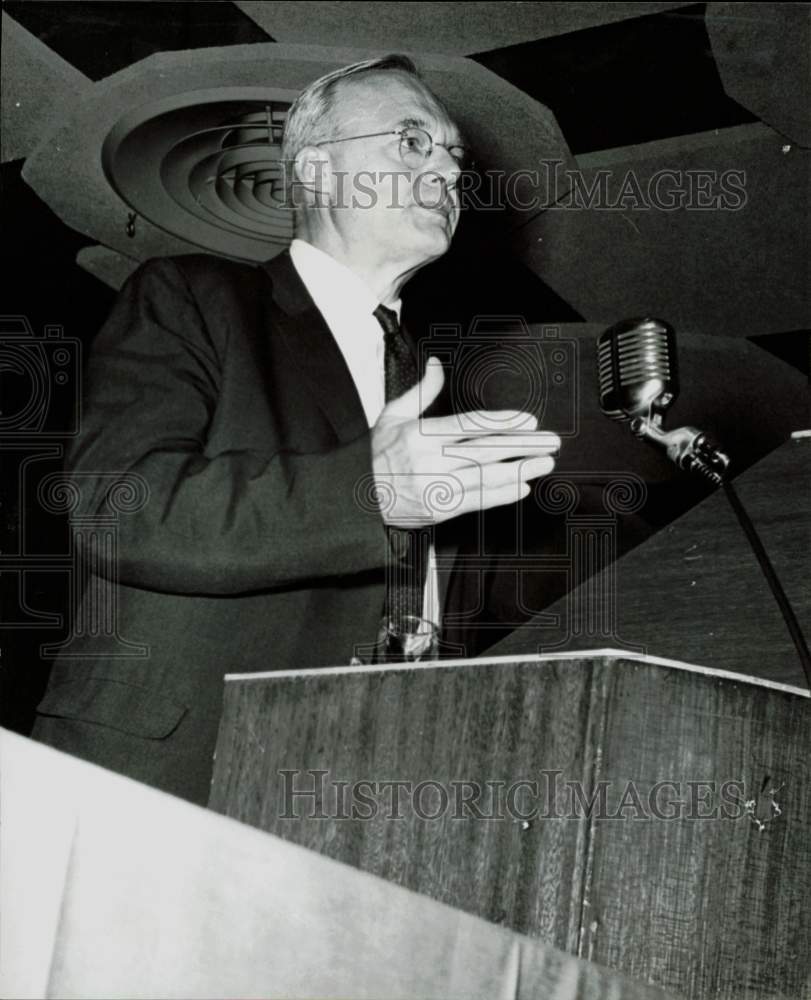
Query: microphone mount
(687, 447)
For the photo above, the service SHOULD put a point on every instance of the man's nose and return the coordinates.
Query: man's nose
(432, 189)
(437, 181)
(445, 165)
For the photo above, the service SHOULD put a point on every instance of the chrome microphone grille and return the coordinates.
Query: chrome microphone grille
(636, 366)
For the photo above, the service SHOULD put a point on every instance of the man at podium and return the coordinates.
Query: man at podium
(273, 421)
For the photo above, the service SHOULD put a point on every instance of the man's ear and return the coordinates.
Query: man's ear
(312, 170)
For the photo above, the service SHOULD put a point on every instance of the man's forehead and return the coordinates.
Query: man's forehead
(391, 100)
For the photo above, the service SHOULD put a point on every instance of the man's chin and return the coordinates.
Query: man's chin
(424, 240)
(436, 227)
(437, 244)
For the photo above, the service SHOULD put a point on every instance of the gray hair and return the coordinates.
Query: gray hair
(308, 120)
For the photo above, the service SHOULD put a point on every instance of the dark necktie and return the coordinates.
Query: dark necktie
(405, 574)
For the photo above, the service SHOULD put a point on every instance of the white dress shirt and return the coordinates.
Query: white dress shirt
(347, 305)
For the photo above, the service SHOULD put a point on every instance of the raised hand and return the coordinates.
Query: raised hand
(431, 469)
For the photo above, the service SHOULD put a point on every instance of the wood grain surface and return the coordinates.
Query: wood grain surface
(695, 592)
(713, 902)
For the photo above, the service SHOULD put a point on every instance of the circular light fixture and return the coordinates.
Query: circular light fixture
(206, 166)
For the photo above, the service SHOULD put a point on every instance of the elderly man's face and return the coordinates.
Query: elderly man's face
(404, 213)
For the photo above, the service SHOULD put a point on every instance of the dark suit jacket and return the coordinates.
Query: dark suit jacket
(221, 386)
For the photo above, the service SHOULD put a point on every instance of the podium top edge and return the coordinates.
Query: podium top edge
(614, 654)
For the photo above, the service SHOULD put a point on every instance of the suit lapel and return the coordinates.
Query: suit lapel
(313, 349)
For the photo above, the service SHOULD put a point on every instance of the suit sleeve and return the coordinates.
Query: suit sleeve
(223, 524)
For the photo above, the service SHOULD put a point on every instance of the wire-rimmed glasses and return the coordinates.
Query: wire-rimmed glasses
(416, 146)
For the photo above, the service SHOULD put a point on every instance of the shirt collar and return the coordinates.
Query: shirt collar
(334, 288)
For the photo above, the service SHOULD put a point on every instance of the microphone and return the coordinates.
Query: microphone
(639, 381)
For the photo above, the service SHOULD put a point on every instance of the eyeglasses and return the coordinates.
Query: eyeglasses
(416, 145)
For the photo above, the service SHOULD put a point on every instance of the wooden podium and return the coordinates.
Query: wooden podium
(643, 813)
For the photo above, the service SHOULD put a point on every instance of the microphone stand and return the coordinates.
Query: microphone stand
(694, 451)
(638, 382)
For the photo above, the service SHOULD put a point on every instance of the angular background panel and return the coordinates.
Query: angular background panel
(38, 88)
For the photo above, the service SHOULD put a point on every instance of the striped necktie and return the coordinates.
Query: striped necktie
(405, 574)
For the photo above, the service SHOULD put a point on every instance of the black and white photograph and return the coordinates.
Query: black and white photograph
(405, 537)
